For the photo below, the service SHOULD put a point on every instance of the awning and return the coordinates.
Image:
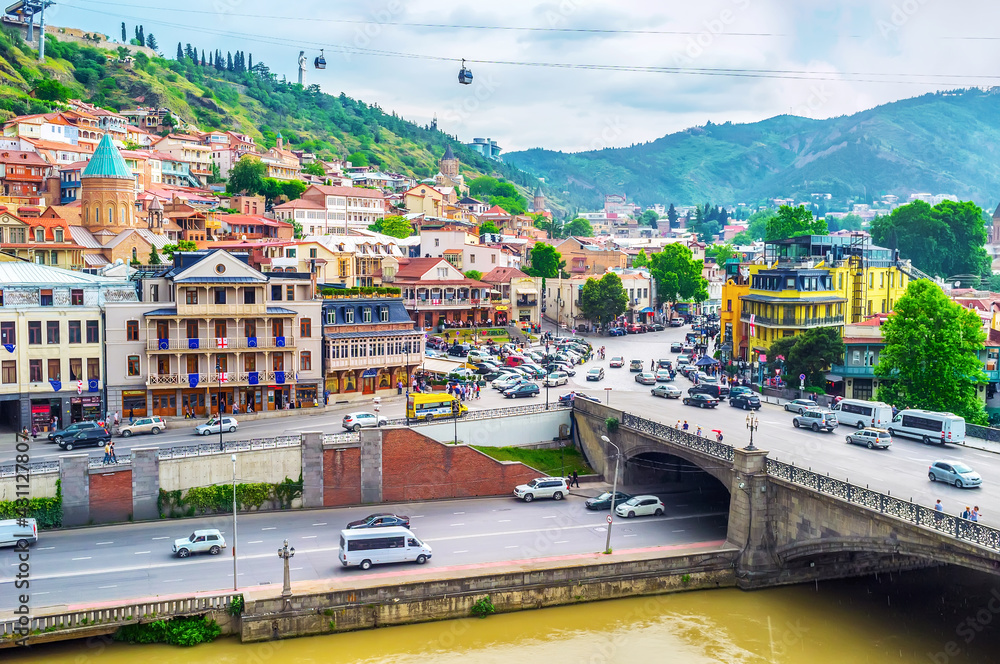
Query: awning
(834, 378)
(441, 366)
(370, 373)
(526, 291)
(647, 310)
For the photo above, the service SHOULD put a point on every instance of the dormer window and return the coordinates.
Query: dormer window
(39, 235)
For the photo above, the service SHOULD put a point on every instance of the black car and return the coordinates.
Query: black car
(656, 327)
(380, 521)
(96, 437)
(483, 368)
(522, 390)
(68, 432)
(745, 401)
(701, 400)
(664, 364)
(459, 350)
(603, 501)
(712, 390)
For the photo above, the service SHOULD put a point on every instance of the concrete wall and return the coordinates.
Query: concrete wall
(39, 486)
(271, 466)
(501, 431)
(110, 495)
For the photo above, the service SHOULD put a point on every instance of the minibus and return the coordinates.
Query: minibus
(364, 547)
(433, 406)
(928, 426)
(861, 414)
(18, 532)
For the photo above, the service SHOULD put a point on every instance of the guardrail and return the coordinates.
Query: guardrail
(678, 436)
(986, 433)
(121, 614)
(204, 449)
(120, 460)
(961, 529)
(34, 468)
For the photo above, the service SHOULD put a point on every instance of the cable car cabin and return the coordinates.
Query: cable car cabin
(464, 75)
(320, 61)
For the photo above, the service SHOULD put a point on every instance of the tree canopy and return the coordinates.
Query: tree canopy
(474, 274)
(546, 262)
(931, 355)
(793, 222)
(314, 168)
(488, 227)
(182, 245)
(394, 225)
(641, 259)
(678, 275)
(246, 176)
(649, 218)
(812, 354)
(579, 227)
(602, 300)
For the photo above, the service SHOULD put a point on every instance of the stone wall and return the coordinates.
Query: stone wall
(501, 431)
(270, 466)
(40, 485)
(110, 495)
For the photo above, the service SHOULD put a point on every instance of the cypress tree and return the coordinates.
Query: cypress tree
(229, 61)
(202, 57)
(250, 62)
(142, 35)
(180, 52)
(124, 34)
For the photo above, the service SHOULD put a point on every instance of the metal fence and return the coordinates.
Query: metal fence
(961, 529)
(120, 460)
(34, 468)
(205, 449)
(678, 436)
(986, 433)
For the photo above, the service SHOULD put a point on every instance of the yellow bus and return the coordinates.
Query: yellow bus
(433, 406)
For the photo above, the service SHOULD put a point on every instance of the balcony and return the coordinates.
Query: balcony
(359, 363)
(527, 302)
(211, 379)
(214, 343)
(235, 310)
(852, 371)
(790, 321)
(446, 303)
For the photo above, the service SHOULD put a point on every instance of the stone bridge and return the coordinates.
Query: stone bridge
(791, 524)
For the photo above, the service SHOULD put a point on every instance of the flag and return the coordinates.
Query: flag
(253, 378)
(92, 385)
(9, 347)
(221, 342)
(192, 343)
(753, 326)
(279, 377)
(279, 342)
(193, 379)
(56, 385)
(251, 342)
(223, 377)
(79, 387)
(164, 344)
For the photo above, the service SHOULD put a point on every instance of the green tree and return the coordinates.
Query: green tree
(641, 259)
(180, 52)
(649, 218)
(792, 222)
(512, 204)
(488, 227)
(271, 190)
(720, 252)
(931, 355)
(812, 354)
(182, 245)
(358, 158)
(546, 262)
(474, 274)
(154, 257)
(602, 300)
(678, 275)
(124, 33)
(52, 90)
(292, 189)
(151, 42)
(246, 176)
(297, 230)
(394, 225)
(483, 187)
(579, 227)
(672, 217)
(314, 168)
(851, 222)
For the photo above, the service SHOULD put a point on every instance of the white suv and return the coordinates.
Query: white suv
(543, 487)
(355, 421)
(200, 541)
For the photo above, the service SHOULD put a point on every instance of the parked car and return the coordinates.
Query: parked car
(556, 378)
(59, 435)
(816, 419)
(656, 327)
(676, 347)
(745, 401)
(86, 438)
(616, 362)
(508, 381)
(711, 389)
(552, 367)
(522, 390)
(640, 506)
(664, 363)
(153, 425)
(666, 391)
(533, 370)
(462, 373)
(459, 350)
(362, 420)
(616, 332)
(701, 401)
(380, 520)
(664, 376)
(603, 501)
(871, 438)
(597, 373)
(953, 472)
(570, 396)
(646, 378)
(543, 487)
(636, 365)
(799, 405)
(739, 389)
(208, 541)
(214, 425)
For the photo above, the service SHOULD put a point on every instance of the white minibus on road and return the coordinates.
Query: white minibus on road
(861, 414)
(364, 547)
(12, 534)
(928, 426)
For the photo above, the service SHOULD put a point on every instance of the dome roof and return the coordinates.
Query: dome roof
(107, 162)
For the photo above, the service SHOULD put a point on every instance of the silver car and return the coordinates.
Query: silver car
(953, 472)
(871, 438)
(213, 425)
(799, 405)
(200, 541)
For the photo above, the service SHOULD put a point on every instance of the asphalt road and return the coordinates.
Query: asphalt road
(135, 560)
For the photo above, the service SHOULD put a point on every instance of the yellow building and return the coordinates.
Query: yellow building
(807, 282)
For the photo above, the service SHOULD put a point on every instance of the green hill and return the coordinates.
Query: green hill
(938, 143)
(251, 100)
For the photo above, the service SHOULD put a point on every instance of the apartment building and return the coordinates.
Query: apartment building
(188, 149)
(323, 210)
(435, 293)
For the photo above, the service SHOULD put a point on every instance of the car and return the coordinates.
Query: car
(683, 360)
(478, 356)
(597, 373)
(380, 520)
(153, 425)
(636, 365)
(953, 472)
(701, 401)
(676, 322)
(462, 373)
(666, 391)
(664, 376)
(86, 438)
(616, 332)
(656, 327)
(533, 370)
(603, 501)
(646, 378)
(459, 350)
(799, 405)
(664, 363)
(871, 438)
(208, 541)
(676, 347)
(640, 506)
(522, 390)
(507, 382)
(214, 426)
(816, 419)
(587, 397)
(740, 389)
(542, 487)
(555, 378)
(745, 401)
(58, 435)
(712, 390)
(617, 362)
(362, 420)
(553, 367)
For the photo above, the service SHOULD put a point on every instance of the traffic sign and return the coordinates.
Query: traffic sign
(802, 376)
(609, 518)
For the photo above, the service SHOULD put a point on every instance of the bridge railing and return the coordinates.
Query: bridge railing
(33, 468)
(678, 436)
(961, 529)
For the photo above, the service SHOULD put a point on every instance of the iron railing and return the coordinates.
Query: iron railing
(34, 468)
(228, 446)
(678, 436)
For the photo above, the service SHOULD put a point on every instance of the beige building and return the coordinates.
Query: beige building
(190, 149)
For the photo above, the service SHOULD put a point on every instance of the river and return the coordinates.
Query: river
(945, 615)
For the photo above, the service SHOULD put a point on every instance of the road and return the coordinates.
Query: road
(135, 560)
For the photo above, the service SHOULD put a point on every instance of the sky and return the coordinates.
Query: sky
(575, 75)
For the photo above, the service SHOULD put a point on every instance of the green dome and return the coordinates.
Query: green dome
(107, 162)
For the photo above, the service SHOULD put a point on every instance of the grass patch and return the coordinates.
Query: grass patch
(557, 462)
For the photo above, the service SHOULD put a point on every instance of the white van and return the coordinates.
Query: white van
(928, 426)
(861, 414)
(364, 547)
(21, 536)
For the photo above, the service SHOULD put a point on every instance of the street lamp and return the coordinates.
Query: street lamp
(218, 375)
(285, 553)
(614, 491)
(234, 524)
(752, 424)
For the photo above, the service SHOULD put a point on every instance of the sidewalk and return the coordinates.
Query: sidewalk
(360, 400)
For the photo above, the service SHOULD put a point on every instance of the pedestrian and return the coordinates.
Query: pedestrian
(34, 431)
(399, 387)
(718, 437)
(477, 391)
(55, 422)
(117, 419)
(974, 516)
(114, 459)
(966, 513)
(249, 407)
(576, 479)
(107, 453)
(131, 416)
(678, 425)
(698, 433)
(24, 433)
(685, 425)
(652, 364)
(938, 512)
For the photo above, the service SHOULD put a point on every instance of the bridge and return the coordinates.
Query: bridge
(791, 524)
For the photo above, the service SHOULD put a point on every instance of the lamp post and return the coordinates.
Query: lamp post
(285, 553)
(218, 375)
(235, 582)
(752, 424)
(614, 491)
(546, 381)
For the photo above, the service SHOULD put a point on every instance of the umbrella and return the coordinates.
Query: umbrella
(706, 361)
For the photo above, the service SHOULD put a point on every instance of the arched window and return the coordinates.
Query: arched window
(97, 214)
(124, 217)
(86, 215)
(135, 254)
(111, 214)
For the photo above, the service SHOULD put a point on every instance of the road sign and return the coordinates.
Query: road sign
(802, 376)
(609, 518)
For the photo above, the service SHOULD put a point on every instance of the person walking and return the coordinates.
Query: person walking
(34, 431)
(114, 459)
(685, 425)
(718, 437)
(938, 512)
(117, 419)
(399, 387)
(576, 479)
(107, 453)
(55, 422)
(966, 513)
(974, 516)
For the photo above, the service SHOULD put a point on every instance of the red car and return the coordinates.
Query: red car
(634, 329)
(617, 362)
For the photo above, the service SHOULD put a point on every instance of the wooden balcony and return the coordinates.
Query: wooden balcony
(214, 344)
(211, 379)
(233, 310)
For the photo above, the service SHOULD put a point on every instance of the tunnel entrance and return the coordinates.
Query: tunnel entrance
(675, 480)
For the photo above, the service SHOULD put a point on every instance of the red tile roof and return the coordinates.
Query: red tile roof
(499, 275)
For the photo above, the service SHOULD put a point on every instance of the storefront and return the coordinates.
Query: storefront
(44, 412)
(133, 403)
(306, 395)
(165, 403)
(501, 315)
(193, 400)
(84, 408)
(369, 381)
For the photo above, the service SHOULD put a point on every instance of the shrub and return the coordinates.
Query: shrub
(815, 390)
(185, 631)
(483, 607)
(235, 606)
(612, 424)
(47, 511)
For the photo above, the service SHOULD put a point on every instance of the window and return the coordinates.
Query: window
(437, 242)
(154, 292)
(76, 297)
(276, 293)
(305, 361)
(249, 296)
(472, 258)
(277, 328)
(290, 253)
(250, 362)
(9, 372)
(35, 371)
(493, 258)
(278, 362)
(93, 368)
(442, 273)
(39, 235)
(220, 295)
(221, 329)
(305, 327)
(366, 314)
(313, 253)
(34, 332)
(132, 330)
(349, 315)
(191, 296)
(192, 329)
(383, 314)
(192, 363)
(45, 297)
(249, 328)
(290, 293)
(52, 332)
(54, 369)
(75, 332)
(75, 368)
(58, 234)
(133, 365)
(7, 333)
(163, 365)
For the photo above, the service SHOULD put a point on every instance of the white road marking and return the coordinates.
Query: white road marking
(561, 542)
(463, 551)
(319, 524)
(677, 531)
(458, 524)
(632, 535)
(550, 517)
(84, 558)
(160, 538)
(139, 553)
(173, 580)
(270, 528)
(294, 569)
(417, 516)
(100, 543)
(309, 537)
(504, 521)
(104, 587)
(458, 512)
(513, 546)
(255, 542)
(43, 548)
